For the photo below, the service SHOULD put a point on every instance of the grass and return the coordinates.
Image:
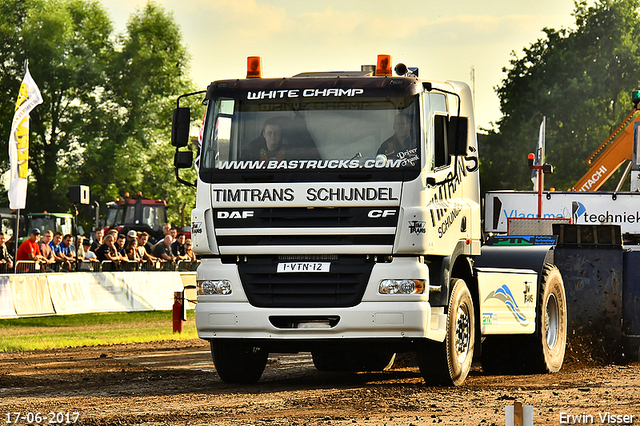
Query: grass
(25, 334)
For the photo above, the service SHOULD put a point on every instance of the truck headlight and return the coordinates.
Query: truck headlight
(401, 287)
(214, 287)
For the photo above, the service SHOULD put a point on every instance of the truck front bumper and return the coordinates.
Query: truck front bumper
(368, 320)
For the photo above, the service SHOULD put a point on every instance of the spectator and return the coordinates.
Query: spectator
(73, 248)
(77, 248)
(5, 258)
(132, 251)
(178, 248)
(98, 241)
(189, 250)
(29, 249)
(114, 234)
(45, 248)
(108, 252)
(87, 254)
(62, 250)
(162, 250)
(143, 241)
(145, 248)
(174, 234)
(120, 245)
(131, 235)
(66, 247)
(166, 229)
(56, 248)
(55, 240)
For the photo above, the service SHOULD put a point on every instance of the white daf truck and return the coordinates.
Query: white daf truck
(338, 213)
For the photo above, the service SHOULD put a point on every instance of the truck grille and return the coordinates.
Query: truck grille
(279, 227)
(342, 286)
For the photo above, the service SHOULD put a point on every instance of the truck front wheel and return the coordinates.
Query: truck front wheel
(449, 362)
(237, 361)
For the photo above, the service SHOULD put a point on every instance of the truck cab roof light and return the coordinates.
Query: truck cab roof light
(383, 68)
(254, 67)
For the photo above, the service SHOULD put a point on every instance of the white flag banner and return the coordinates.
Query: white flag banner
(28, 98)
(539, 158)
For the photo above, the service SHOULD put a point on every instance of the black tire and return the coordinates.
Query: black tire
(329, 360)
(448, 363)
(547, 346)
(498, 354)
(542, 351)
(352, 360)
(237, 361)
(380, 361)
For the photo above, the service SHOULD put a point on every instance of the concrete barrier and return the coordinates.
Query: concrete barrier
(23, 295)
(7, 310)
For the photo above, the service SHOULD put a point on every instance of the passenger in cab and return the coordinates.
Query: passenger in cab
(401, 145)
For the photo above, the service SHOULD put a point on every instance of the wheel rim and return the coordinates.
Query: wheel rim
(551, 321)
(463, 333)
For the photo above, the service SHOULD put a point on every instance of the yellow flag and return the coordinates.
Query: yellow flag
(28, 98)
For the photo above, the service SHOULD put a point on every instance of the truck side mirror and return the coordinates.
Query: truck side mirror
(180, 127)
(183, 159)
(457, 134)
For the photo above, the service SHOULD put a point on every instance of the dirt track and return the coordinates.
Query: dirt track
(175, 383)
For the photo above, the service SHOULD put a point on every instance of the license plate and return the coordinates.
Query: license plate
(304, 267)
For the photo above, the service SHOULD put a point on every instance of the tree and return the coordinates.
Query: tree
(147, 73)
(581, 80)
(107, 98)
(67, 44)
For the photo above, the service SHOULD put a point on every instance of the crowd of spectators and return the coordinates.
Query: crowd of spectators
(131, 251)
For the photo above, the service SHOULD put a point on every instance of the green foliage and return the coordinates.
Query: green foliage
(581, 80)
(108, 99)
(60, 331)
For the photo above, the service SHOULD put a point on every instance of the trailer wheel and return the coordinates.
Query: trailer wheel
(546, 347)
(449, 362)
(237, 361)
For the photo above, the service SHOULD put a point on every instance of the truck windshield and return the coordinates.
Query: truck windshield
(311, 135)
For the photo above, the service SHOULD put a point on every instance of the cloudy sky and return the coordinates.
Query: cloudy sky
(445, 39)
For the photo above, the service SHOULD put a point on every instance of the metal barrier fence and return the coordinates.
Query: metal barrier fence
(32, 267)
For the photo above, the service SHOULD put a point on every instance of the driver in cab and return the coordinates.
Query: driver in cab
(268, 146)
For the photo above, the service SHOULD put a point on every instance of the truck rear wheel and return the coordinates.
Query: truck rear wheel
(237, 361)
(449, 362)
(547, 346)
(542, 351)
